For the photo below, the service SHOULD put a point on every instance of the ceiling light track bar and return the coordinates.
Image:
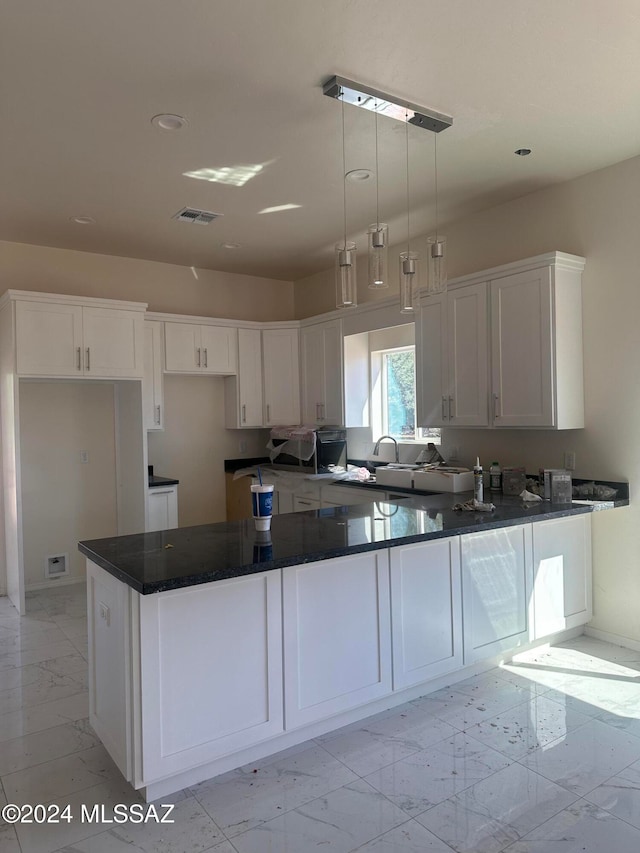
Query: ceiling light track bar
(383, 103)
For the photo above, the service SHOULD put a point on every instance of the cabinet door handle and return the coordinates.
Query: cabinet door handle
(317, 411)
(496, 400)
(444, 408)
(268, 412)
(158, 415)
(244, 413)
(322, 411)
(206, 359)
(88, 358)
(451, 409)
(79, 354)
(199, 359)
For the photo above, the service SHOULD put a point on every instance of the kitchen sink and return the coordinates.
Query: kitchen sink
(390, 475)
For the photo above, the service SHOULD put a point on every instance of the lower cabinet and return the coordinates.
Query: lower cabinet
(561, 574)
(162, 503)
(337, 641)
(201, 697)
(303, 504)
(496, 591)
(426, 611)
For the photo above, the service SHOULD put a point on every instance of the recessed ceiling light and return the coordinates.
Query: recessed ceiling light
(230, 245)
(168, 121)
(356, 176)
(83, 220)
(522, 152)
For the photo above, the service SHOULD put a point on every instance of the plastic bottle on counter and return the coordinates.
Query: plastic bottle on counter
(478, 490)
(495, 477)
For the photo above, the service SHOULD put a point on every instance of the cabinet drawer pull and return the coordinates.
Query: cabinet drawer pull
(155, 492)
(496, 400)
(158, 415)
(244, 413)
(451, 409)
(79, 353)
(199, 359)
(206, 359)
(317, 411)
(88, 358)
(444, 408)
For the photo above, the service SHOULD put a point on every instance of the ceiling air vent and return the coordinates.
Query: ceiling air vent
(192, 214)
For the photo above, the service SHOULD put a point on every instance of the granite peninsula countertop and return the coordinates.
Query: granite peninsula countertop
(186, 556)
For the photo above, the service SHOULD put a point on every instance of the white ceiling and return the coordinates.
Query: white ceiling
(81, 79)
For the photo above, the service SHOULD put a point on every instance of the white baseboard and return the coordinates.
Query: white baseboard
(616, 639)
(33, 587)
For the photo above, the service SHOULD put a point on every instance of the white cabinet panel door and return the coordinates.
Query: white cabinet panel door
(522, 356)
(337, 648)
(432, 389)
(182, 350)
(467, 335)
(113, 343)
(561, 574)
(313, 373)
(219, 347)
(250, 378)
(163, 508)
(496, 591)
(426, 611)
(152, 384)
(201, 699)
(49, 339)
(281, 376)
(333, 410)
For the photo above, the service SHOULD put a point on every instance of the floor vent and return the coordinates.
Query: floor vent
(56, 565)
(192, 214)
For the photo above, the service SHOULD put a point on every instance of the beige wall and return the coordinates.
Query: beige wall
(195, 444)
(64, 500)
(166, 287)
(596, 216)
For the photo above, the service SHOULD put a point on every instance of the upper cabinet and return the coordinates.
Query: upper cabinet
(243, 393)
(198, 348)
(152, 383)
(321, 357)
(452, 366)
(281, 376)
(503, 348)
(60, 336)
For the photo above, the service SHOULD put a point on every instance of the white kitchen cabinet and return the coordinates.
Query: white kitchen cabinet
(496, 591)
(200, 349)
(426, 611)
(336, 627)
(243, 392)
(162, 504)
(152, 383)
(64, 338)
(239, 695)
(347, 496)
(280, 357)
(536, 323)
(302, 504)
(452, 358)
(561, 574)
(322, 374)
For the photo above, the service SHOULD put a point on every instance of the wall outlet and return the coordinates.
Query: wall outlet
(84, 456)
(570, 460)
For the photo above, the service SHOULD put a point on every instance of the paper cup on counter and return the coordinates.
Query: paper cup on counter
(262, 503)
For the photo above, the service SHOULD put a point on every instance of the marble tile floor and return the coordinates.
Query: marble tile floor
(538, 756)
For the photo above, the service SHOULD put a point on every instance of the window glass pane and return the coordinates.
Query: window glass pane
(401, 393)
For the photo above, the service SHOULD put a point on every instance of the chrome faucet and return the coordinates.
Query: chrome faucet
(376, 449)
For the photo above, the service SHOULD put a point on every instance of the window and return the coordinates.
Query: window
(393, 398)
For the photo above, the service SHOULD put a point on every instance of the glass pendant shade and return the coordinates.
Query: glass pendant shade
(437, 260)
(378, 256)
(408, 281)
(346, 284)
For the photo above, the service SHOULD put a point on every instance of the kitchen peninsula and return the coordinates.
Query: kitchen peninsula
(213, 646)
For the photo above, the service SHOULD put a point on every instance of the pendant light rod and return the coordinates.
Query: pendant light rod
(435, 174)
(408, 222)
(360, 95)
(344, 177)
(377, 173)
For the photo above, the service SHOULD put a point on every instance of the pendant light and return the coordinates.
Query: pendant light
(408, 260)
(346, 283)
(437, 278)
(378, 236)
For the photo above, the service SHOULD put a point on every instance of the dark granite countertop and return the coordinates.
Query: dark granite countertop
(154, 562)
(154, 481)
